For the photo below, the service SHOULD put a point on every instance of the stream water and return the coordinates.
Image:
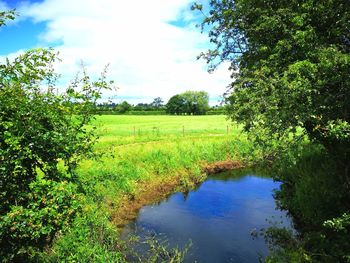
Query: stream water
(218, 217)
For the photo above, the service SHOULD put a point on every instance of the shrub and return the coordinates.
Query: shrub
(43, 135)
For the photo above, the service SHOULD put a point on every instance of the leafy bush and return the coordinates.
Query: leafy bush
(316, 196)
(50, 206)
(43, 135)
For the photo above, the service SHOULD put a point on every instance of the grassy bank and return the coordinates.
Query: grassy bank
(143, 158)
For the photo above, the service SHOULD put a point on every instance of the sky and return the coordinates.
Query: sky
(151, 46)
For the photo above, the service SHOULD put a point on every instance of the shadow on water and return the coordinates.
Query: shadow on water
(240, 173)
(220, 218)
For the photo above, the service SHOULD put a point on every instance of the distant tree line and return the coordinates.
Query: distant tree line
(186, 103)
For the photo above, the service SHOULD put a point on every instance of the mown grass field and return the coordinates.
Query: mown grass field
(139, 156)
(122, 129)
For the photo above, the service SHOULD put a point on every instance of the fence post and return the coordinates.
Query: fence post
(134, 131)
(183, 130)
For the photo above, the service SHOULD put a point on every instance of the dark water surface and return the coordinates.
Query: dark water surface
(218, 217)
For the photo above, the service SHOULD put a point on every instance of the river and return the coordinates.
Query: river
(222, 218)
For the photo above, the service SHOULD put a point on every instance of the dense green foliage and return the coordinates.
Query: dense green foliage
(293, 61)
(311, 192)
(189, 102)
(290, 63)
(43, 135)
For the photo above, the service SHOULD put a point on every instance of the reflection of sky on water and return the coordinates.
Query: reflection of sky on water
(218, 217)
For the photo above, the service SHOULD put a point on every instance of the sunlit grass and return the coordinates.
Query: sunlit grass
(132, 151)
(137, 151)
(179, 149)
(120, 129)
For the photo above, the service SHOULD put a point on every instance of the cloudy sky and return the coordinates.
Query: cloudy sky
(151, 45)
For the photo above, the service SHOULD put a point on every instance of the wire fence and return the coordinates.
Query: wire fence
(183, 130)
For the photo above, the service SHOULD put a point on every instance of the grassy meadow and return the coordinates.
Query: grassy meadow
(142, 148)
(141, 159)
(116, 130)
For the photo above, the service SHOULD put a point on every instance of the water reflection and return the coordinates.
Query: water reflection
(218, 217)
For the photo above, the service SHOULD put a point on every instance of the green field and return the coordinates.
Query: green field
(123, 129)
(136, 154)
(137, 148)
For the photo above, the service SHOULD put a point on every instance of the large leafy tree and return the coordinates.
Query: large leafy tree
(189, 102)
(290, 63)
(43, 135)
(175, 105)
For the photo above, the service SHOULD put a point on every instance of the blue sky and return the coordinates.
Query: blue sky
(22, 35)
(151, 46)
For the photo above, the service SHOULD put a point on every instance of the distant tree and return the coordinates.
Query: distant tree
(123, 107)
(157, 103)
(218, 109)
(142, 107)
(106, 106)
(175, 105)
(196, 102)
(189, 102)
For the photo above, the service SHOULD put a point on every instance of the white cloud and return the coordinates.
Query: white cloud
(148, 56)
(12, 56)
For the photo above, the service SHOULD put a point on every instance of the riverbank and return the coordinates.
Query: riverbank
(136, 170)
(157, 190)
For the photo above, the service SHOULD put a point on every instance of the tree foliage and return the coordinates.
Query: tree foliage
(123, 107)
(189, 102)
(6, 15)
(157, 103)
(43, 135)
(290, 64)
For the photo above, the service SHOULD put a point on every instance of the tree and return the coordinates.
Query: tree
(123, 107)
(157, 103)
(290, 62)
(175, 105)
(143, 107)
(43, 135)
(196, 102)
(189, 102)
